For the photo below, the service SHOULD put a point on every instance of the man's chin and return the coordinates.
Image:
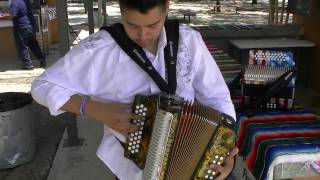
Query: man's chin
(143, 45)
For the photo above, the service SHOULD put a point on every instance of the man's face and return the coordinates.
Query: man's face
(144, 29)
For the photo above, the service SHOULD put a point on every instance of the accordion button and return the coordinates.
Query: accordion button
(135, 138)
(137, 150)
(141, 106)
(136, 111)
(140, 132)
(214, 173)
(137, 106)
(216, 157)
(219, 163)
(140, 110)
(136, 133)
(145, 109)
(130, 143)
(206, 176)
(211, 177)
(142, 123)
(138, 141)
(139, 137)
(131, 139)
(137, 146)
(129, 148)
(214, 161)
(221, 158)
(144, 114)
(132, 151)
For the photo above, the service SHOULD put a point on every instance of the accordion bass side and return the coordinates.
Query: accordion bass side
(179, 140)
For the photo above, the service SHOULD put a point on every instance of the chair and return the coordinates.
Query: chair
(74, 33)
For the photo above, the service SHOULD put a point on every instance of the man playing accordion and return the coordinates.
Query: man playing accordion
(99, 80)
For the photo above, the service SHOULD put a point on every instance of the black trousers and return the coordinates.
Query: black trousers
(26, 38)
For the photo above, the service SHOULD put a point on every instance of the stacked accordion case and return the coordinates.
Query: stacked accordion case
(178, 139)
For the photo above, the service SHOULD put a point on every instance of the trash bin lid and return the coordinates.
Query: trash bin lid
(14, 100)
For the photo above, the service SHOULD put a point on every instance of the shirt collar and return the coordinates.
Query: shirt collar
(162, 39)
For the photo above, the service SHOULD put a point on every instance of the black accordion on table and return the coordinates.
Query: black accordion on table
(178, 139)
(264, 72)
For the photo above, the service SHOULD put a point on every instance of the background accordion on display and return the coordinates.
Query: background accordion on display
(264, 68)
(267, 136)
(179, 140)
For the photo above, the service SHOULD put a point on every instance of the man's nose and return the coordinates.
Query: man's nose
(142, 33)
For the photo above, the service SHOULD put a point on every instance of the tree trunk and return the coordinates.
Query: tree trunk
(254, 1)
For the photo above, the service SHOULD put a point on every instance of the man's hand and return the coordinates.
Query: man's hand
(115, 115)
(226, 169)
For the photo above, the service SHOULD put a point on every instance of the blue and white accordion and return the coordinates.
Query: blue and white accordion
(263, 69)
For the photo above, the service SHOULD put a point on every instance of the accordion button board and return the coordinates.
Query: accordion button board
(177, 133)
(137, 144)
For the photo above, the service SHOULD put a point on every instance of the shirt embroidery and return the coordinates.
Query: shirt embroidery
(91, 41)
(184, 64)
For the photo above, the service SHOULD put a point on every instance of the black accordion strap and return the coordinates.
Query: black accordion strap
(138, 55)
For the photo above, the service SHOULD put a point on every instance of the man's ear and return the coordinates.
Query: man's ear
(167, 6)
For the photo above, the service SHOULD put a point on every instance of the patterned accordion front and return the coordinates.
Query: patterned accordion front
(179, 140)
(263, 69)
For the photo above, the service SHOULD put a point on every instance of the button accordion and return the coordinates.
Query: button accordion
(179, 139)
(264, 68)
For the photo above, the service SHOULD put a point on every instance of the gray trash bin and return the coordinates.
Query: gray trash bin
(17, 140)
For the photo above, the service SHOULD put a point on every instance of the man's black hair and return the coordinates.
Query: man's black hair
(143, 6)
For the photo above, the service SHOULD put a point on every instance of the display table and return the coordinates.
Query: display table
(7, 45)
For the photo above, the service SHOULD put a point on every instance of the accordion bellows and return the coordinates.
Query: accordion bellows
(179, 140)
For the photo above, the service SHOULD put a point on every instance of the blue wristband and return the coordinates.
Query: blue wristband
(83, 104)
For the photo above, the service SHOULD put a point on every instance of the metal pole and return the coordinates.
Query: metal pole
(104, 9)
(62, 27)
(72, 131)
(89, 4)
(71, 120)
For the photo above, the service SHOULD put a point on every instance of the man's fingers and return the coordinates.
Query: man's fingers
(133, 128)
(123, 106)
(234, 151)
(217, 169)
(137, 117)
(232, 154)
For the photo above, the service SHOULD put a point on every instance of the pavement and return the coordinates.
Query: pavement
(56, 161)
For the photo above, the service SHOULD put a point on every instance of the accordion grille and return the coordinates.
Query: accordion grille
(191, 141)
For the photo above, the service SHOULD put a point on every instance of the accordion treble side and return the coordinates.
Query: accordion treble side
(185, 140)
